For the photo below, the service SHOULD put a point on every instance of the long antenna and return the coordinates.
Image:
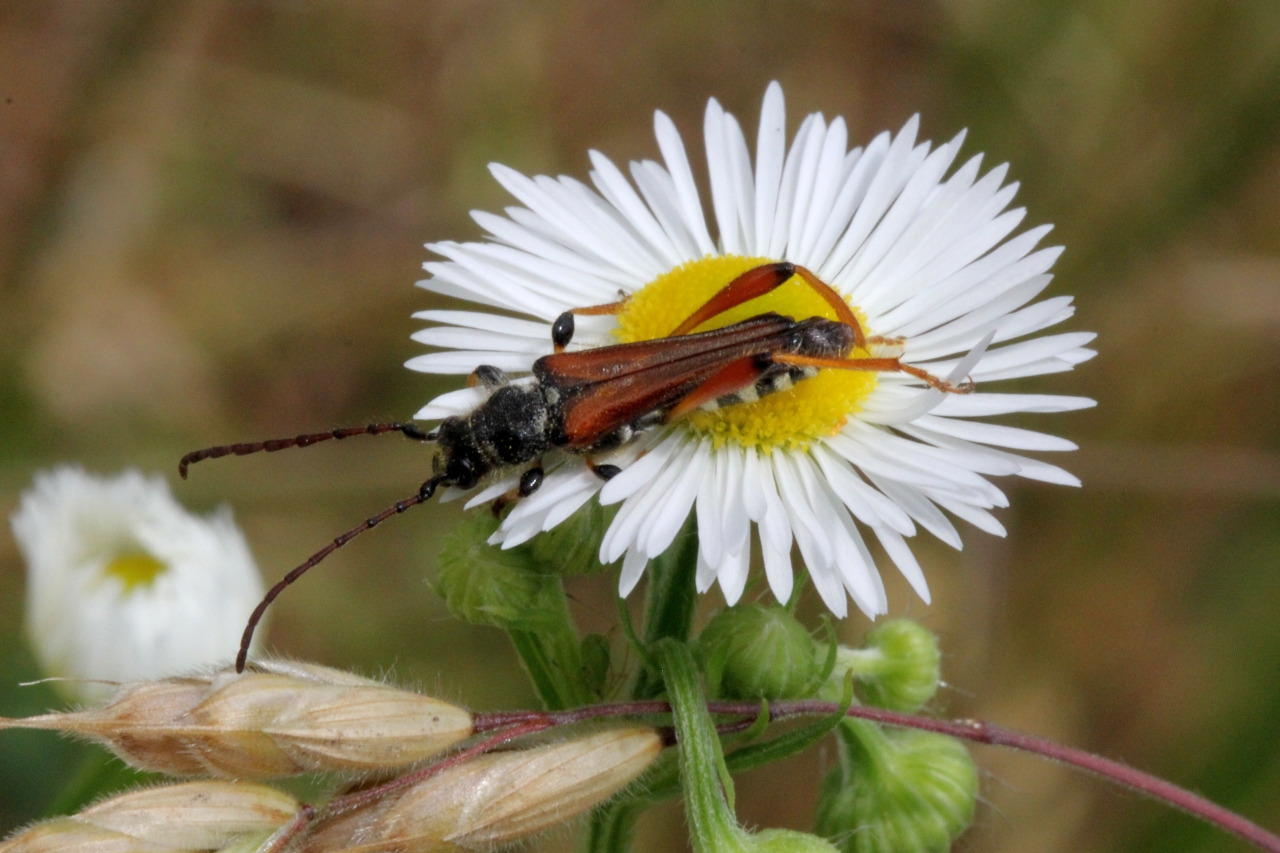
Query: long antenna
(410, 430)
(425, 491)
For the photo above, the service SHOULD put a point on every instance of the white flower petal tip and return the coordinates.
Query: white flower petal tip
(927, 252)
(124, 585)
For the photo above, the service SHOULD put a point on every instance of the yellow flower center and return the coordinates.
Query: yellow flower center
(791, 419)
(134, 569)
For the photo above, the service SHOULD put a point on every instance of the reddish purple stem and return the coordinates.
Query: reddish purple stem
(971, 730)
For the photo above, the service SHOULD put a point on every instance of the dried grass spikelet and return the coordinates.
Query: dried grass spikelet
(493, 799)
(283, 719)
(190, 816)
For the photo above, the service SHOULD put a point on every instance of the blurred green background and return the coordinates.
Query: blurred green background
(211, 217)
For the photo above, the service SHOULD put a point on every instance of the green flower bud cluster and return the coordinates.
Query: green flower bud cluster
(894, 790)
(758, 651)
(898, 667)
(897, 791)
(484, 585)
(513, 590)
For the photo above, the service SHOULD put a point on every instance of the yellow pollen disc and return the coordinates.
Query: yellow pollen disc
(791, 419)
(134, 570)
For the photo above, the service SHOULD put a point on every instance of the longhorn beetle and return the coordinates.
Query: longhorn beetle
(593, 401)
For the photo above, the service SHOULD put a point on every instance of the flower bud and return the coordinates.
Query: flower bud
(897, 791)
(494, 799)
(486, 585)
(295, 719)
(756, 651)
(788, 841)
(189, 816)
(898, 668)
(573, 546)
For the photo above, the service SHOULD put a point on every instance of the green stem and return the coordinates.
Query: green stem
(669, 601)
(552, 655)
(713, 828)
(612, 827)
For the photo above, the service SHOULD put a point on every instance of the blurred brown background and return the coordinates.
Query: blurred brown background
(211, 216)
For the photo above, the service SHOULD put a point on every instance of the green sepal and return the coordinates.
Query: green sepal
(833, 648)
(485, 585)
(905, 666)
(595, 662)
(758, 651)
(793, 742)
(897, 791)
(572, 547)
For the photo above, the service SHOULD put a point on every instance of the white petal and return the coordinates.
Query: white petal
(896, 221)
(864, 165)
(983, 405)
(472, 339)
(781, 227)
(771, 144)
(736, 524)
(775, 528)
(626, 524)
(804, 523)
(869, 506)
(920, 508)
(979, 518)
(660, 193)
(529, 240)
(489, 323)
(743, 183)
(777, 570)
(658, 532)
(672, 148)
(900, 552)
(709, 508)
(614, 186)
(705, 575)
(810, 158)
(858, 570)
(1000, 436)
(752, 489)
(465, 361)
(826, 184)
(492, 491)
(723, 197)
(641, 472)
(632, 569)
(460, 402)
(889, 179)
(732, 575)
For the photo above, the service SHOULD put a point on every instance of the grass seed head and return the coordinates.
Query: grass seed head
(281, 720)
(165, 819)
(494, 799)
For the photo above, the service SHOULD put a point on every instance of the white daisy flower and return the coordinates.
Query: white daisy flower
(919, 255)
(123, 584)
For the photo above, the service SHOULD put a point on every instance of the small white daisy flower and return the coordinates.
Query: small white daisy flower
(917, 253)
(124, 584)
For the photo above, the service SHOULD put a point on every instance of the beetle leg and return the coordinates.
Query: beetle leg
(761, 280)
(605, 472)
(530, 482)
(488, 376)
(885, 365)
(731, 378)
(562, 328)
